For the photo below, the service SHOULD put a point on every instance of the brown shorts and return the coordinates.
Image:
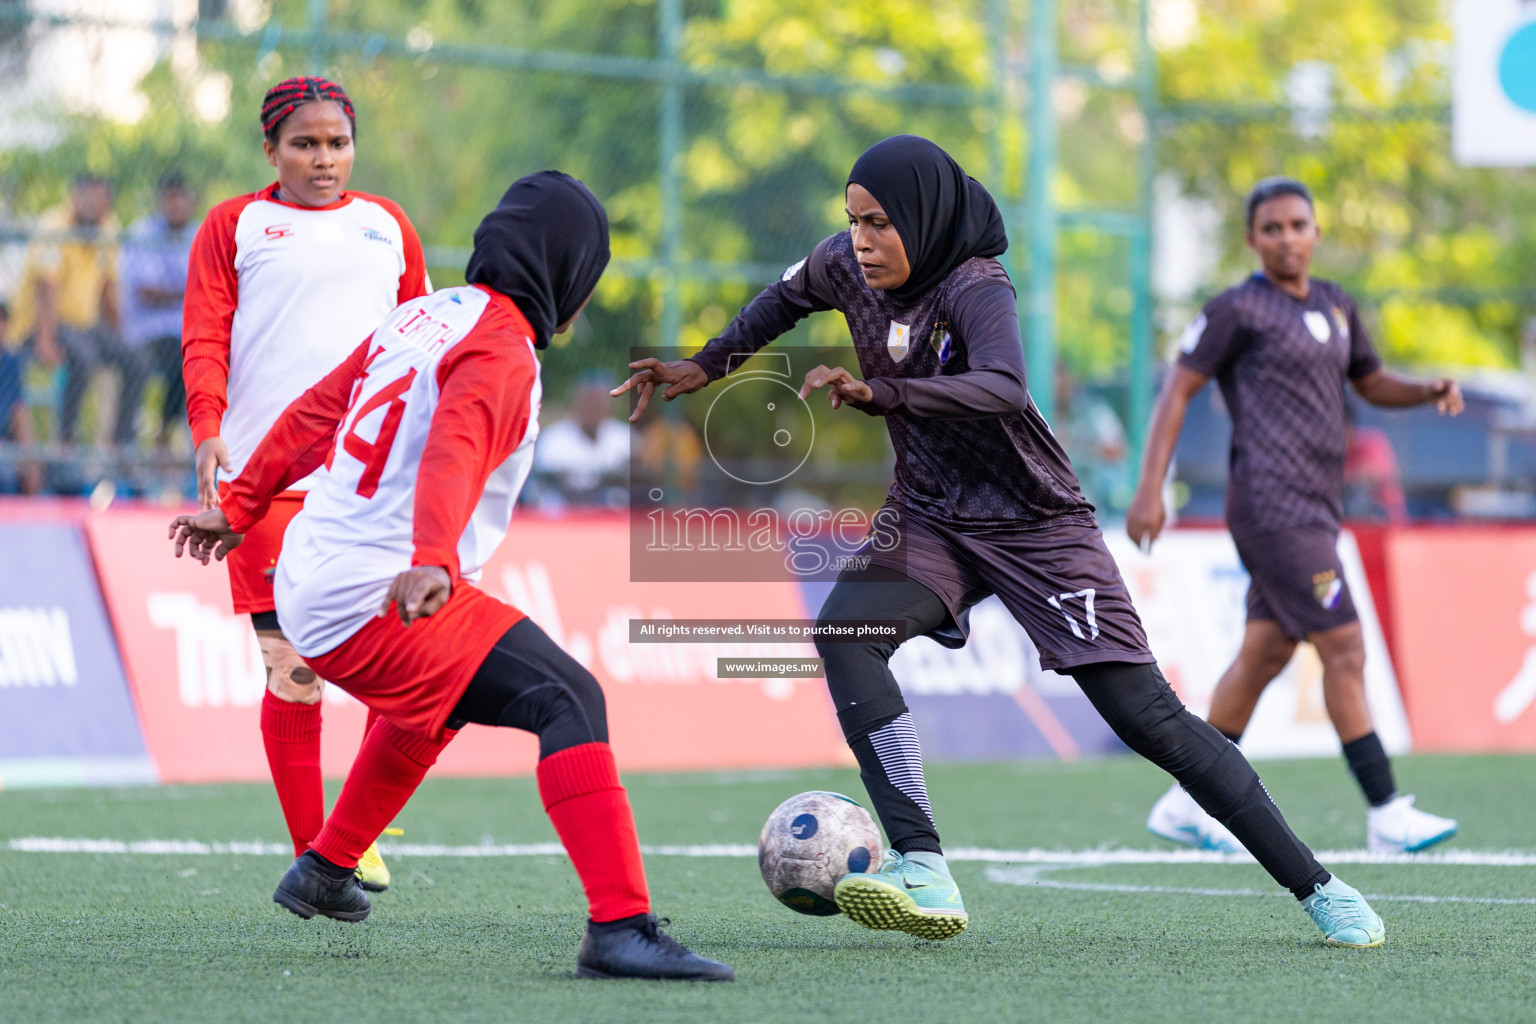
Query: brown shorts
(1296, 579)
(1058, 580)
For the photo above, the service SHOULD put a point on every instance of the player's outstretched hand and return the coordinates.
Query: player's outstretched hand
(841, 386)
(1447, 398)
(418, 592)
(212, 455)
(204, 535)
(1145, 519)
(684, 375)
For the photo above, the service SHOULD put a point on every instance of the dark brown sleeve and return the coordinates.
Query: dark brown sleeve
(985, 322)
(803, 290)
(1209, 344)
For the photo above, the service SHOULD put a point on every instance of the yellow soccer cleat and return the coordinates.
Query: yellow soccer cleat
(372, 872)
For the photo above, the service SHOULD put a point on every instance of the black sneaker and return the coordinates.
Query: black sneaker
(313, 885)
(634, 947)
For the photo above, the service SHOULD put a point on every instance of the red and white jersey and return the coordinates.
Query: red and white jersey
(277, 296)
(419, 444)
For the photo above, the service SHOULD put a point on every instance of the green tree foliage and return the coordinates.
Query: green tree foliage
(762, 169)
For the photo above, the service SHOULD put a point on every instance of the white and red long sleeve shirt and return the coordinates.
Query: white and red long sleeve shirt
(277, 295)
(418, 444)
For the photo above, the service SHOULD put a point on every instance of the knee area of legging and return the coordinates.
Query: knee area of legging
(870, 716)
(562, 714)
(1223, 785)
(587, 692)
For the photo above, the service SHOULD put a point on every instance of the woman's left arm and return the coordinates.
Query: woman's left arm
(1381, 387)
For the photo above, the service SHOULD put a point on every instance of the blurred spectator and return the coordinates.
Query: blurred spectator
(586, 455)
(153, 281)
(25, 475)
(1094, 439)
(1373, 485)
(670, 451)
(66, 307)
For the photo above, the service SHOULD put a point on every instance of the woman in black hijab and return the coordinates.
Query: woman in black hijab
(410, 518)
(984, 502)
(544, 247)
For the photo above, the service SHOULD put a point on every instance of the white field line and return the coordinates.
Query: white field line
(1030, 875)
(1058, 858)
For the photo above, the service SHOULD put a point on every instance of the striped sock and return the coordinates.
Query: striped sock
(901, 756)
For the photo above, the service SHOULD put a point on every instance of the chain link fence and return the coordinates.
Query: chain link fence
(718, 136)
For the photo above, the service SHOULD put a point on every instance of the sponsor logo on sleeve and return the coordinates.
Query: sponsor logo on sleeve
(1192, 334)
(792, 271)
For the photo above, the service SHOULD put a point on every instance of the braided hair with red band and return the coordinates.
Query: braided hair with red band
(292, 93)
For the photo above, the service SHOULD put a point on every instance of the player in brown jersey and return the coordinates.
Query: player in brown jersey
(1282, 345)
(984, 502)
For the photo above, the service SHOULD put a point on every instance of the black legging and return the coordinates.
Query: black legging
(527, 682)
(1135, 700)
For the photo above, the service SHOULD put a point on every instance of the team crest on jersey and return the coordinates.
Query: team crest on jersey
(897, 342)
(1327, 588)
(1341, 322)
(941, 341)
(1317, 323)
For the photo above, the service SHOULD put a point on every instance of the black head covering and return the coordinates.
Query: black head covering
(943, 216)
(544, 247)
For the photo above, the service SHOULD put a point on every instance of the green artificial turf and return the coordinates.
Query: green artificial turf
(184, 937)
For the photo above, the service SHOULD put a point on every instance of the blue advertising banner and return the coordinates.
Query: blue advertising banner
(66, 717)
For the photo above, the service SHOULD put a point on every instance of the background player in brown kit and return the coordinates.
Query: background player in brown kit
(1282, 344)
(985, 502)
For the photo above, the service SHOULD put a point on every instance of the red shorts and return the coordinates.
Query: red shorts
(414, 675)
(253, 564)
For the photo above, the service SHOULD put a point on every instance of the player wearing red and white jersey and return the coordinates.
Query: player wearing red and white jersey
(283, 284)
(420, 442)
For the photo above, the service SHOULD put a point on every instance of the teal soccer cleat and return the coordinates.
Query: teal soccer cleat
(903, 896)
(1344, 916)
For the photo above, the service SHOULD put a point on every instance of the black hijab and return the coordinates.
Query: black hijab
(544, 247)
(943, 217)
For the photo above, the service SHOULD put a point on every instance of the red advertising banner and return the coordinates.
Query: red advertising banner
(1464, 618)
(197, 673)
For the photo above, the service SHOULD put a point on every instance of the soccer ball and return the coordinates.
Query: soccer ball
(809, 842)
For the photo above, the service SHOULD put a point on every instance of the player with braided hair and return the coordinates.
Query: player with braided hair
(282, 286)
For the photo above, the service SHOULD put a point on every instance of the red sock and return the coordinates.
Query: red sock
(291, 734)
(373, 716)
(590, 811)
(387, 771)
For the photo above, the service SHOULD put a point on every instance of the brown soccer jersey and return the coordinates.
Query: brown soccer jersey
(1282, 364)
(947, 372)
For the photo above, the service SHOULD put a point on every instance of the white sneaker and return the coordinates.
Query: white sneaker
(1399, 827)
(1176, 816)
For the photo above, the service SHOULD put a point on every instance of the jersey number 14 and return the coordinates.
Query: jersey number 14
(374, 454)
